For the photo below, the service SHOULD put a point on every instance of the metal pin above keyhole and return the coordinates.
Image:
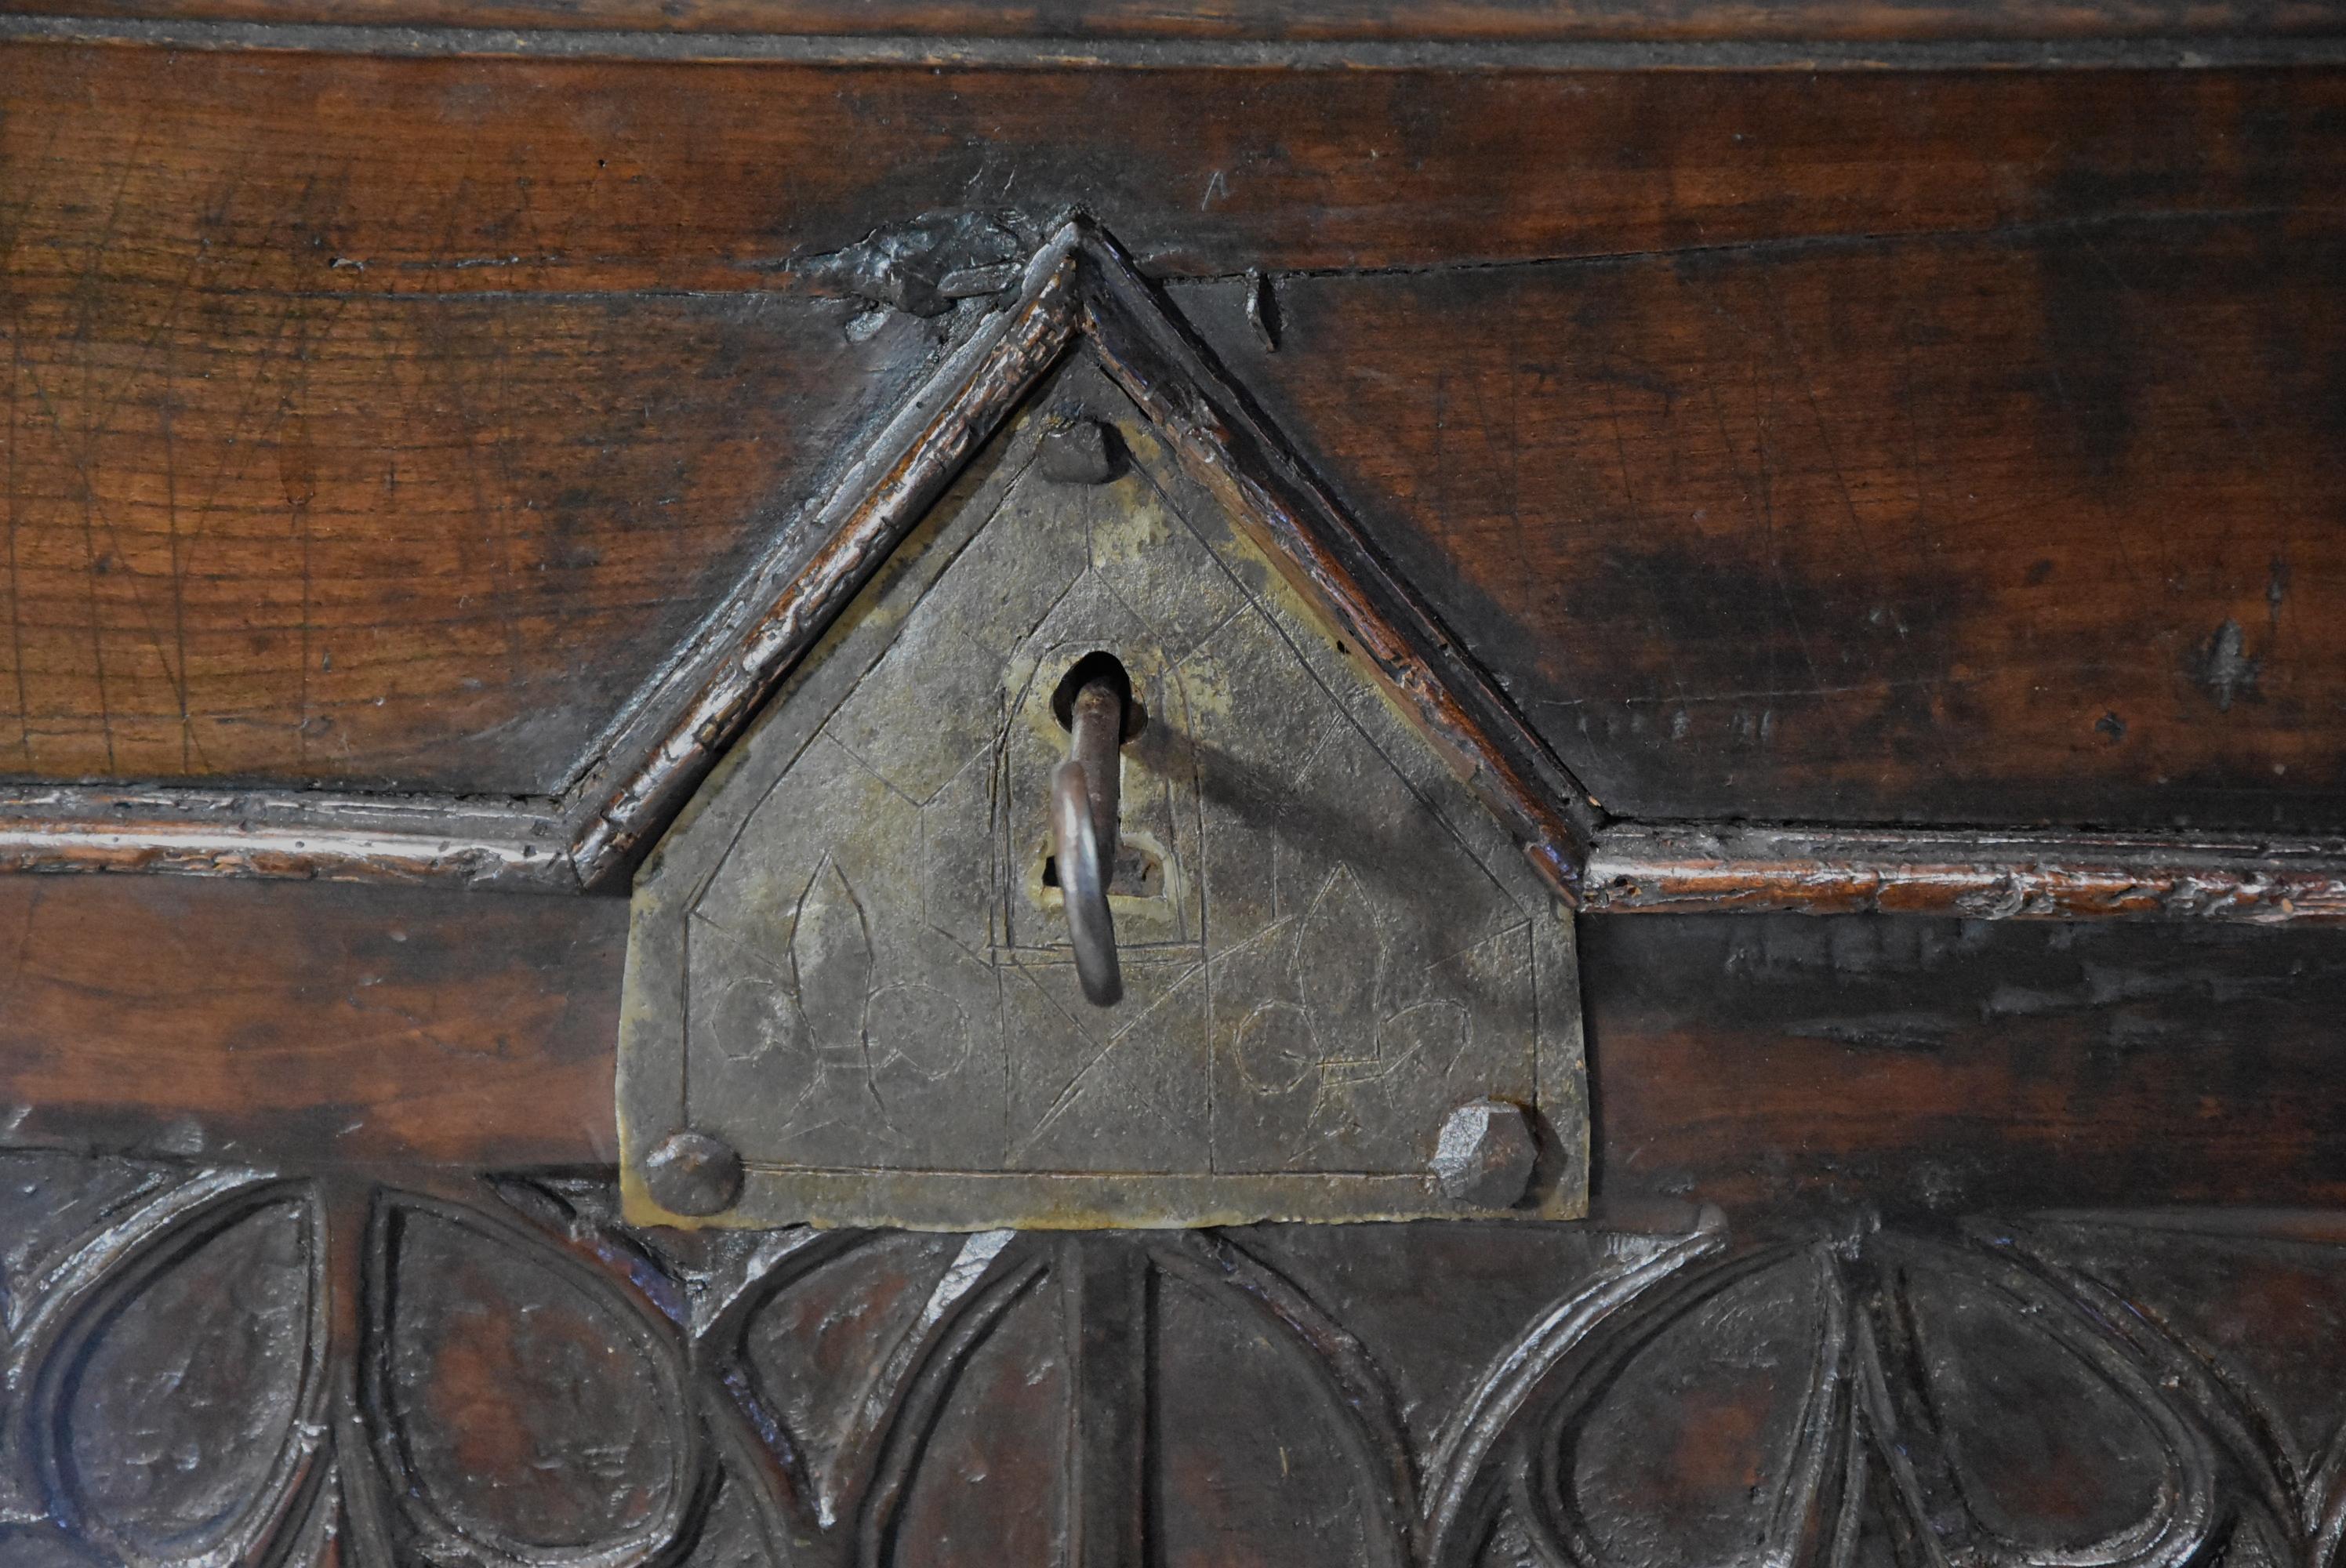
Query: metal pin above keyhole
(1094, 702)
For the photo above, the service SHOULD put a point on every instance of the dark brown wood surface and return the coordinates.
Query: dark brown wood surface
(1764, 1063)
(2031, 525)
(1977, 873)
(308, 1025)
(1999, 405)
(1351, 21)
(528, 176)
(502, 1372)
(1937, 445)
(261, 531)
(1937, 1064)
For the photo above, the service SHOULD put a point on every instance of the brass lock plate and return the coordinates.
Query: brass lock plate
(850, 996)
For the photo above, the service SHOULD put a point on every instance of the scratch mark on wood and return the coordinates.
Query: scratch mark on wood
(16, 522)
(2226, 670)
(166, 409)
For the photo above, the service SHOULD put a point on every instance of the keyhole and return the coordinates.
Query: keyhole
(1134, 871)
(1094, 700)
(1097, 666)
(1138, 873)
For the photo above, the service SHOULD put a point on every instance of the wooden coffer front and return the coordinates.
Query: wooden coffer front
(1724, 636)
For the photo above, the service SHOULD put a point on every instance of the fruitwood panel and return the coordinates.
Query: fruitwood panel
(309, 1024)
(2041, 524)
(1755, 1061)
(271, 515)
(1350, 20)
(1938, 1063)
(255, 531)
(530, 175)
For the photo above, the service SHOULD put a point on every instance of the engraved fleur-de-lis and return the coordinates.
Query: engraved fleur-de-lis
(1355, 1022)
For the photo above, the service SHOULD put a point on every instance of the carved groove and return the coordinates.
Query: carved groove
(215, 1368)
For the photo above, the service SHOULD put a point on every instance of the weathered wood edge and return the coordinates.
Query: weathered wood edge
(705, 698)
(2321, 41)
(521, 844)
(1988, 874)
(1230, 450)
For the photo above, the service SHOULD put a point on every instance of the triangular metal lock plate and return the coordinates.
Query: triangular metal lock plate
(851, 998)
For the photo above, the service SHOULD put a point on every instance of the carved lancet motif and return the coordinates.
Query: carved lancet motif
(210, 1368)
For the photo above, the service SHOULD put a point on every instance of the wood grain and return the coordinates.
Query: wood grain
(402, 462)
(1887, 1108)
(358, 1372)
(1228, 453)
(432, 542)
(1453, 21)
(273, 1291)
(535, 174)
(2027, 526)
(309, 1024)
(1935, 1064)
(688, 720)
(399, 461)
(1763, 1061)
(1984, 874)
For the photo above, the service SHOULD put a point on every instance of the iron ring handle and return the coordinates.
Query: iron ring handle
(1083, 885)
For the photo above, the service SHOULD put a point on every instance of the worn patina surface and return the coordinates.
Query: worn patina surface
(850, 960)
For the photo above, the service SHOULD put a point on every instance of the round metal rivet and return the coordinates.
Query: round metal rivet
(694, 1172)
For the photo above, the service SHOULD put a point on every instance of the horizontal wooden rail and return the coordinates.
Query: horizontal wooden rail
(1814, 35)
(1987, 873)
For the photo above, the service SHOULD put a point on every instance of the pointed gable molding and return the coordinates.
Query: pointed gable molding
(1226, 447)
(641, 771)
(676, 730)
(1081, 286)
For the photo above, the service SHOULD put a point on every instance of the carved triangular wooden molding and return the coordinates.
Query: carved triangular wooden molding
(1080, 287)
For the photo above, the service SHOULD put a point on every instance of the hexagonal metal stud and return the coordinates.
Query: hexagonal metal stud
(694, 1172)
(1485, 1153)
